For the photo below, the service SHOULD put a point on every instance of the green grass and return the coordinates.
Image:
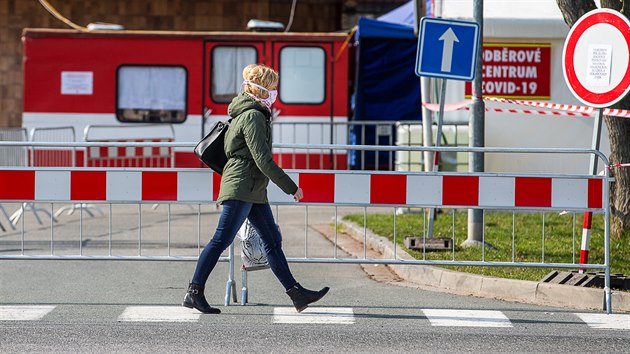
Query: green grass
(561, 239)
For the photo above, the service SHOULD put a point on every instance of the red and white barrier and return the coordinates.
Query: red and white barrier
(202, 186)
(556, 110)
(130, 156)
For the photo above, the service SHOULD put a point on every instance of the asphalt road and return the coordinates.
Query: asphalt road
(134, 306)
(89, 299)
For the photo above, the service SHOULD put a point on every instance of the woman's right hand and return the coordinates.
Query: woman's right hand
(299, 194)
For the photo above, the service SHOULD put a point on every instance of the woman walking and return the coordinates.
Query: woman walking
(243, 192)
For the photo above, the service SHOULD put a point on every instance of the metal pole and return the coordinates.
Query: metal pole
(230, 287)
(477, 129)
(607, 291)
(436, 159)
(427, 122)
(588, 215)
(597, 132)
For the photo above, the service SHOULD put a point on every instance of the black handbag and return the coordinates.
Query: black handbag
(210, 149)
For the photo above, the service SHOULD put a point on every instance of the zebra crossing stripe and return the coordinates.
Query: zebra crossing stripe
(159, 314)
(24, 312)
(314, 315)
(467, 318)
(317, 315)
(604, 321)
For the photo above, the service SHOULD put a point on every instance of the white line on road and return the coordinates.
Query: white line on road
(159, 314)
(604, 321)
(24, 312)
(314, 315)
(467, 318)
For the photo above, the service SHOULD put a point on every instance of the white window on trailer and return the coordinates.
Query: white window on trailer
(227, 70)
(151, 94)
(302, 75)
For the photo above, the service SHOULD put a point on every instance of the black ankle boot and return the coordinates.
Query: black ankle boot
(194, 299)
(302, 297)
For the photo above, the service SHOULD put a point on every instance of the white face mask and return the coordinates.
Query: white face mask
(272, 94)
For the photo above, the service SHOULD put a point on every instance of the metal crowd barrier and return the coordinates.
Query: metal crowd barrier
(32, 156)
(12, 156)
(150, 155)
(53, 157)
(514, 192)
(376, 133)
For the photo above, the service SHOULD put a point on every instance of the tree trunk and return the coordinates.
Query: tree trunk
(618, 128)
(572, 10)
(619, 136)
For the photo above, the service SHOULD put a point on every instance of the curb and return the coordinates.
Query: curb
(460, 283)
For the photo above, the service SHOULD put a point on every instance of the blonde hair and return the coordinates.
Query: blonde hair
(261, 75)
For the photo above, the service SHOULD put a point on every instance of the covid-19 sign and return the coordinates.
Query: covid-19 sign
(515, 71)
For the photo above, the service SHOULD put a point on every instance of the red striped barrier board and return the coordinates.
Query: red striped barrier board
(349, 188)
(130, 156)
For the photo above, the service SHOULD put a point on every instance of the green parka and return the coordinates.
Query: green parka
(250, 164)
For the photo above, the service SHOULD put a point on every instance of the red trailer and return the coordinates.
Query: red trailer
(107, 84)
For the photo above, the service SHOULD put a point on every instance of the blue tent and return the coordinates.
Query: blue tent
(386, 85)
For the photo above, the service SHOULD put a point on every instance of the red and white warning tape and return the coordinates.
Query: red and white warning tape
(562, 107)
(558, 109)
(531, 111)
(618, 165)
(466, 105)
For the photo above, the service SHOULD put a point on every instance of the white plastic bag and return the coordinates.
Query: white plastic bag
(253, 252)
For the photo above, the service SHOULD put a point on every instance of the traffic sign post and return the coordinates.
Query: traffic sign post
(447, 49)
(595, 62)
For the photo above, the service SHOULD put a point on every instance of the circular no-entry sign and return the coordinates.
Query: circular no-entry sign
(596, 56)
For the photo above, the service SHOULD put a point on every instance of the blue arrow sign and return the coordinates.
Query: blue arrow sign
(447, 49)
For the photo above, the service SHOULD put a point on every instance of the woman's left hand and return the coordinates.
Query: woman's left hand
(299, 194)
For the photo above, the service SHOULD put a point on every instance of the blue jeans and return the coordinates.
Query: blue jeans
(234, 214)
